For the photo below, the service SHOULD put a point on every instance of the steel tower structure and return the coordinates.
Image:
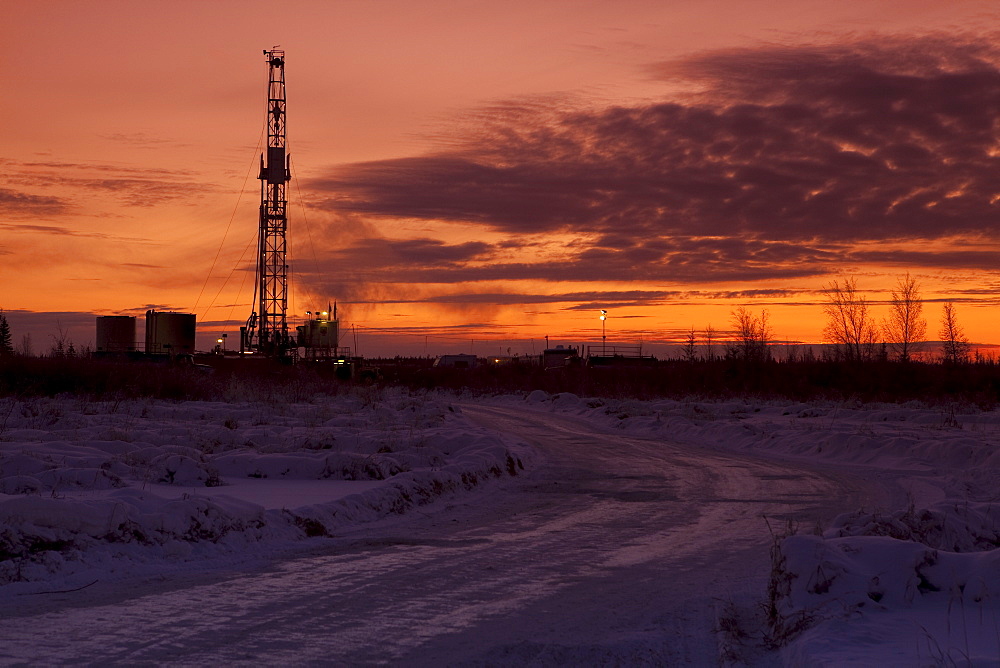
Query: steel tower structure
(267, 329)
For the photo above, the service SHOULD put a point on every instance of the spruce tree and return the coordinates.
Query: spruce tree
(6, 347)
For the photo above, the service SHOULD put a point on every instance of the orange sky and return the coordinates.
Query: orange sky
(478, 175)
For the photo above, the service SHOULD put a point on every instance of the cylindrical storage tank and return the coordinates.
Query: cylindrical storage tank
(170, 333)
(115, 333)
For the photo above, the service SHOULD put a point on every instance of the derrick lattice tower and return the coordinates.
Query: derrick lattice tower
(267, 328)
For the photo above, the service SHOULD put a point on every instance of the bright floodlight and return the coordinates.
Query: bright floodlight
(604, 314)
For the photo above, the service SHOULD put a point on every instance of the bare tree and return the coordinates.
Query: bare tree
(849, 324)
(752, 334)
(709, 339)
(955, 345)
(905, 327)
(690, 346)
(26, 347)
(61, 343)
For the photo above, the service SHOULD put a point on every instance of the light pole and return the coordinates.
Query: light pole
(604, 337)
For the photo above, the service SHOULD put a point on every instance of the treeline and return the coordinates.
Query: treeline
(889, 381)
(111, 379)
(799, 380)
(62, 346)
(851, 328)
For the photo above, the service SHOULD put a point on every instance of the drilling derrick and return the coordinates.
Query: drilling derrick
(267, 330)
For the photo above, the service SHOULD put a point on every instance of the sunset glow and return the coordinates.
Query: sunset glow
(475, 176)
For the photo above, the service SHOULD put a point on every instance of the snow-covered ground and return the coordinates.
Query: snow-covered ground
(917, 584)
(102, 490)
(97, 489)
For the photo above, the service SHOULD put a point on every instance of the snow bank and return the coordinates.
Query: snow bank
(85, 482)
(929, 578)
(929, 606)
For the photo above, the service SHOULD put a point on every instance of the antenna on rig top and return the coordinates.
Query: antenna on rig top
(266, 330)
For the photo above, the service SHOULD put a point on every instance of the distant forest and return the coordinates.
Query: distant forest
(972, 382)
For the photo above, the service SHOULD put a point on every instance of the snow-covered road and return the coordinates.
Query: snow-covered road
(612, 549)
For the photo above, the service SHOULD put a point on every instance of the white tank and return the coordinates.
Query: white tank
(170, 333)
(115, 333)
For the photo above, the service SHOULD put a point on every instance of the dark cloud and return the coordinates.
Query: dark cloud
(599, 299)
(784, 157)
(140, 192)
(377, 254)
(59, 165)
(504, 298)
(980, 259)
(141, 310)
(40, 229)
(351, 271)
(14, 203)
(58, 230)
(132, 186)
(140, 140)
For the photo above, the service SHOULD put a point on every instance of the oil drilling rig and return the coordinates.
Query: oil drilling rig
(266, 331)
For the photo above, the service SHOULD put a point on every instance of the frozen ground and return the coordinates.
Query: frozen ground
(566, 530)
(88, 486)
(914, 583)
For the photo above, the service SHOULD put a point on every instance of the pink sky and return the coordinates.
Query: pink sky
(477, 170)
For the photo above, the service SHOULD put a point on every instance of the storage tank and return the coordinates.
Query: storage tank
(115, 333)
(170, 333)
